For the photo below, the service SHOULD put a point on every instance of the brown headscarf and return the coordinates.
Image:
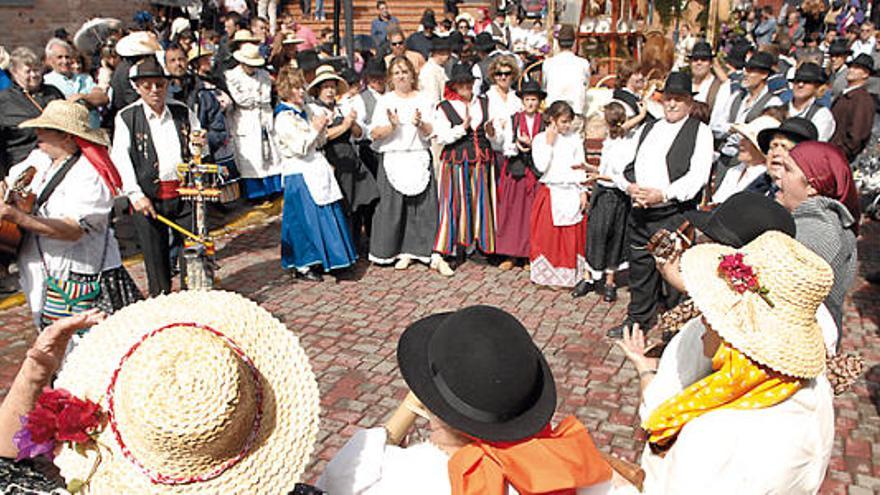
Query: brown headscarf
(828, 172)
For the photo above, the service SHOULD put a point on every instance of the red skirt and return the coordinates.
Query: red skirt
(557, 254)
(515, 199)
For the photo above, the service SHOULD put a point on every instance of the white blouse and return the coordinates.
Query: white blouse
(297, 144)
(406, 137)
(616, 155)
(500, 111)
(557, 163)
(736, 180)
(447, 134)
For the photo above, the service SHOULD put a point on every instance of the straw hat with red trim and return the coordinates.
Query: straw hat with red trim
(205, 392)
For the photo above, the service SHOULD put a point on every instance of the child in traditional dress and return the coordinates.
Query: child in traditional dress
(558, 223)
(519, 179)
(467, 175)
(314, 230)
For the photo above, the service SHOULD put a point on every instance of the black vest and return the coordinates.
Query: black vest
(518, 163)
(473, 146)
(142, 151)
(678, 158)
(756, 110)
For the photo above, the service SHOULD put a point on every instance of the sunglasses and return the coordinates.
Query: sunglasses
(153, 84)
(396, 43)
(503, 74)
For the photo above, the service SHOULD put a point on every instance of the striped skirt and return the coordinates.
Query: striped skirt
(467, 208)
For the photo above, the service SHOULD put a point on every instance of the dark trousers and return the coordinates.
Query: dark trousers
(155, 241)
(645, 284)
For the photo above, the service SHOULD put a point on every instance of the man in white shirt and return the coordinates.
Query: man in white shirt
(76, 87)
(709, 89)
(151, 138)
(432, 77)
(661, 194)
(867, 42)
(805, 87)
(567, 76)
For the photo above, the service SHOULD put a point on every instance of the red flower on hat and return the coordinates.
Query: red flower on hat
(57, 417)
(742, 277)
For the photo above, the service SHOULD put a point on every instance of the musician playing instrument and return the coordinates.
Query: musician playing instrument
(489, 396)
(68, 235)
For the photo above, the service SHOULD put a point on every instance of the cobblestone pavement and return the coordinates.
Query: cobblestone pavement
(349, 329)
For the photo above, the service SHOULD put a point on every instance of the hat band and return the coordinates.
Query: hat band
(162, 479)
(478, 414)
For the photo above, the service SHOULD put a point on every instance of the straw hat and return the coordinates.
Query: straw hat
(245, 36)
(751, 130)
(138, 43)
(327, 73)
(207, 390)
(196, 53)
(249, 54)
(785, 336)
(291, 39)
(71, 118)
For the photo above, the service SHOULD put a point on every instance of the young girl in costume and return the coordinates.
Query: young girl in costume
(558, 223)
(519, 180)
(314, 230)
(467, 175)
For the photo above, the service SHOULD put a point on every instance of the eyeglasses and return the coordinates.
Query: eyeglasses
(503, 74)
(396, 43)
(153, 84)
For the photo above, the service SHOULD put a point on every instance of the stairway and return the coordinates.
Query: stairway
(409, 14)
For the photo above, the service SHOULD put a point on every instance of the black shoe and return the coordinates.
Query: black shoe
(610, 293)
(309, 276)
(616, 332)
(583, 287)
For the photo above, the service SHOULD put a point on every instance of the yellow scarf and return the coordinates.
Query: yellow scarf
(737, 383)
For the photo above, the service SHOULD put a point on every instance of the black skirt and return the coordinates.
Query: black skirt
(606, 230)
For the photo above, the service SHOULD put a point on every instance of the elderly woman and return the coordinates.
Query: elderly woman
(69, 259)
(765, 407)
(250, 124)
(775, 143)
(751, 160)
(314, 231)
(817, 188)
(489, 397)
(358, 185)
(405, 220)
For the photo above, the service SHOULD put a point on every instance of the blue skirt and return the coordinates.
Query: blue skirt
(260, 188)
(311, 234)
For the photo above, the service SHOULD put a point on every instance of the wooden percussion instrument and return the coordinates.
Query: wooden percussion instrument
(20, 196)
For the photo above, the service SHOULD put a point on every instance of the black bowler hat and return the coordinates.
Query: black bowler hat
(531, 87)
(742, 218)
(484, 42)
(308, 60)
(149, 68)
(456, 41)
(809, 72)
(737, 55)
(701, 50)
(440, 44)
(678, 83)
(761, 61)
(839, 47)
(863, 60)
(479, 371)
(798, 129)
(461, 72)
(375, 68)
(428, 21)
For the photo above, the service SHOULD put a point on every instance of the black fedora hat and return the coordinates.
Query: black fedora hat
(149, 68)
(678, 83)
(701, 50)
(742, 218)
(308, 60)
(479, 371)
(531, 87)
(441, 44)
(737, 55)
(375, 68)
(484, 42)
(798, 129)
(809, 72)
(461, 72)
(761, 61)
(863, 60)
(839, 47)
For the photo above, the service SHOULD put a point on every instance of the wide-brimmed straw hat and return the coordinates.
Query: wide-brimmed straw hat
(751, 129)
(245, 36)
(777, 329)
(68, 117)
(196, 53)
(327, 73)
(479, 371)
(206, 392)
(291, 39)
(249, 54)
(137, 44)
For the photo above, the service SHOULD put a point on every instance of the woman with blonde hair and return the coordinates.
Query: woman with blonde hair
(405, 220)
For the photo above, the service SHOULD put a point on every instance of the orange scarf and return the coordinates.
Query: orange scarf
(737, 383)
(551, 462)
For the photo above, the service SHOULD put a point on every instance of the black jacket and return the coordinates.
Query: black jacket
(15, 107)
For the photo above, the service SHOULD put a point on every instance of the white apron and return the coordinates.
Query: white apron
(408, 172)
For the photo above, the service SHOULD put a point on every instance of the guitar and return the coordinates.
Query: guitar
(20, 196)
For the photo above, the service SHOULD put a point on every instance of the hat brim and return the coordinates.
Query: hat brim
(252, 62)
(97, 136)
(765, 136)
(811, 80)
(341, 85)
(702, 221)
(413, 361)
(871, 70)
(289, 426)
(540, 93)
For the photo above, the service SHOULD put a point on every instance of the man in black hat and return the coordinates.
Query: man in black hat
(838, 52)
(151, 137)
(736, 62)
(567, 76)
(805, 85)
(661, 194)
(710, 89)
(484, 45)
(748, 103)
(854, 109)
(432, 77)
(420, 41)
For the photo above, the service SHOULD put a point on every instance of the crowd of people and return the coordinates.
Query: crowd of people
(726, 194)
